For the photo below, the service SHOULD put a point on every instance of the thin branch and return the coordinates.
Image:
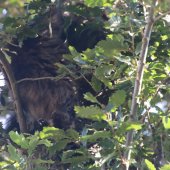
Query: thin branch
(144, 9)
(162, 15)
(139, 78)
(10, 76)
(39, 78)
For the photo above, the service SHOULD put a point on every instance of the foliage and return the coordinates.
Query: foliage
(112, 64)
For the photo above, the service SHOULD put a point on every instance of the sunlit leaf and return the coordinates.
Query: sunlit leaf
(93, 3)
(88, 96)
(90, 112)
(96, 135)
(165, 167)
(117, 98)
(149, 165)
(52, 132)
(104, 74)
(113, 46)
(166, 122)
(19, 139)
(127, 126)
(45, 142)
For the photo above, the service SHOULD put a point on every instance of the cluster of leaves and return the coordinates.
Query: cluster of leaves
(112, 64)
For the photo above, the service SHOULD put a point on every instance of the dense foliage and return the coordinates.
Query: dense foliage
(112, 66)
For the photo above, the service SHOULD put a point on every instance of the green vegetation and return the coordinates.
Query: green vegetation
(125, 131)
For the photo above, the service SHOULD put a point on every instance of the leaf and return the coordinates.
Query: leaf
(45, 142)
(88, 96)
(127, 126)
(117, 99)
(138, 48)
(124, 59)
(165, 167)
(104, 74)
(3, 164)
(107, 158)
(93, 3)
(73, 51)
(90, 112)
(61, 144)
(72, 134)
(14, 155)
(41, 161)
(149, 165)
(166, 122)
(164, 37)
(96, 83)
(133, 126)
(52, 132)
(19, 139)
(32, 144)
(96, 135)
(75, 156)
(113, 45)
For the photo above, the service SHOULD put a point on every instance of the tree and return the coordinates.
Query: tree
(119, 57)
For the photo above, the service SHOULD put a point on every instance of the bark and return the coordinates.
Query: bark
(13, 87)
(138, 80)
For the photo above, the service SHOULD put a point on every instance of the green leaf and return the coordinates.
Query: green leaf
(75, 156)
(117, 99)
(90, 112)
(164, 37)
(60, 145)
(165, 167)
(96, 135)
(73, 51)
(127, 126)
(138, 48)
(88, 96)
(104, 74)
(96, 83)
(52, 132)
(113, 45)
(33, 144)
(19, 139)
(41, 161)
(93, 3)
(45, 142)
(149, 165)
(72, 134)
(107, 158)
(133, 126)
(3, 164)
(14, 155)
(166, 122)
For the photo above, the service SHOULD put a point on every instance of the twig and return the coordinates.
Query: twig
(139, 78)
(13, 86)
(162, 15)
(39, 78)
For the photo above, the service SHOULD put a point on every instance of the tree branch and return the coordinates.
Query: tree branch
(162, 15)
(139, 78)
(13, 86)
(39, 78)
